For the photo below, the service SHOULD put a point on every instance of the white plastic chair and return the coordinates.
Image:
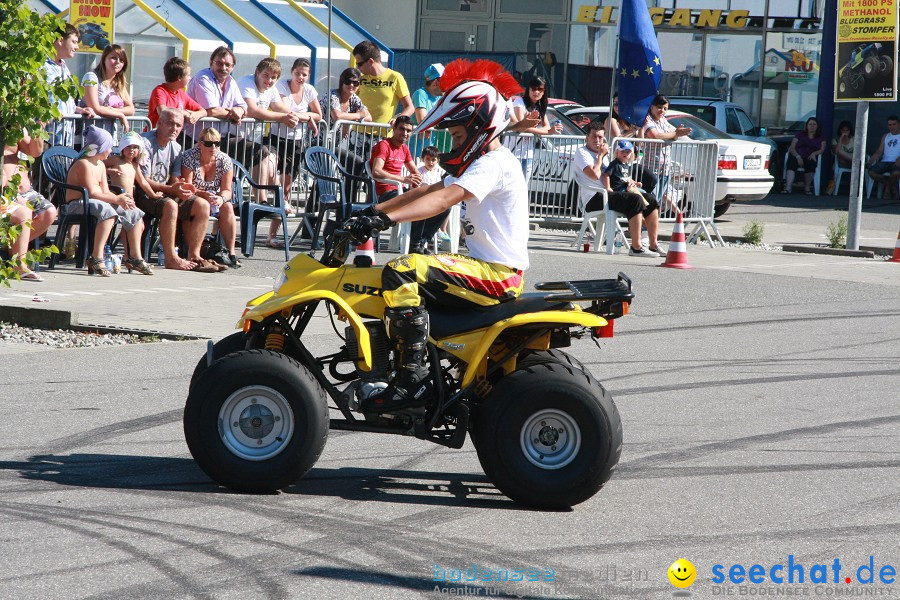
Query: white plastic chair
(611, 227)
(800, 169)
(838, 174)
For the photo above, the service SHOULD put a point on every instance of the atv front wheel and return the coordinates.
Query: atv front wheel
(228, 344)
(256, 421)
(549, 436)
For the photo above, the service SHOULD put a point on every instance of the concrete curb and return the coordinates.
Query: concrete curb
(49, 318)
(829, 251)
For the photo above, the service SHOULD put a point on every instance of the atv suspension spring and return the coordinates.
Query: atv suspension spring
(275, 340)
(482, 387)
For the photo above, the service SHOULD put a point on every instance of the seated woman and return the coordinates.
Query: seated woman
(29, 207)
(806, 147)
(842, 146)
(210, 170)
(89, 172)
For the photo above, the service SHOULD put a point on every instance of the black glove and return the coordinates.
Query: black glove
(369, 211)
(363, 227)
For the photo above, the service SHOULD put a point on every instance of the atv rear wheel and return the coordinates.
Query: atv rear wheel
(256, 421)
(549, 436)
(553, 355)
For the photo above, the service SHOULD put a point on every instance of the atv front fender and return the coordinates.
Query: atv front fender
(268, 304)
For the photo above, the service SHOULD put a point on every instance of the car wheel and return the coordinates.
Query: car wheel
(721, 209)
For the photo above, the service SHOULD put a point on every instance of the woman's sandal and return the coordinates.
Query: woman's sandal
(235, 263)
(97, 266)
(139, 265)
(203, 267)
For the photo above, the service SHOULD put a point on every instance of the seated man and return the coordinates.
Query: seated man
(486, 176)
(162, 168)
(884, 166)
(591, 169)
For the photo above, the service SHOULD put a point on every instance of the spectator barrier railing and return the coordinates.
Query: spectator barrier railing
(683, 177)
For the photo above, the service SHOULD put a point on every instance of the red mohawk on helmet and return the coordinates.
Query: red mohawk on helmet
(481, 70)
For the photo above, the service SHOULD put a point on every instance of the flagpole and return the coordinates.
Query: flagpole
(615, 70)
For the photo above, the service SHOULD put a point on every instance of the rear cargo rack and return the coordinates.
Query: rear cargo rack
(615, 290)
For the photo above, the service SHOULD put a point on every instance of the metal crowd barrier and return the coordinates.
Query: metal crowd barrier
(684, 172)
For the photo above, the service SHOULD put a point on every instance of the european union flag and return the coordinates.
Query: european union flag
(639, 68)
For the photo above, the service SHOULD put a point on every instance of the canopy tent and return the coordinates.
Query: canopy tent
(253, 29)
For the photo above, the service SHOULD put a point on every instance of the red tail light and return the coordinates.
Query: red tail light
(766, 168)
(727, 163)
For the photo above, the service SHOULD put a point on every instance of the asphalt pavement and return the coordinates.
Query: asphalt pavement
(757, 393)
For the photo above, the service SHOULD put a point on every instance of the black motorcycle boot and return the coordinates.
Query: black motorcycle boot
(408, 327)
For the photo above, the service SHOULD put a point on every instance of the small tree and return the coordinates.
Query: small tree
(26, 41)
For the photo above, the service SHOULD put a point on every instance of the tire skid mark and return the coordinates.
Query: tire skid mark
(107, 432)
(47, 517)
(86, 516)
(667, 458)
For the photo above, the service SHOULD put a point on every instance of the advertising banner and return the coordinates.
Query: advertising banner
(866, 67)
(94, 21)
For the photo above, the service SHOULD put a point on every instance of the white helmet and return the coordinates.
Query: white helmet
(474, 102)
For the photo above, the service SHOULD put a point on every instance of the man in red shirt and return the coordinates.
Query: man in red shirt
(389, 156)
(171, 94)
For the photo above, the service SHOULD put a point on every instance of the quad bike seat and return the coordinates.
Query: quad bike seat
(447, 321)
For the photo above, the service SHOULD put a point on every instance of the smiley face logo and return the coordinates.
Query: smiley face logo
(682, 573)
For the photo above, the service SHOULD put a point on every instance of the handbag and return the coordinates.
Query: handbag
(211, 249)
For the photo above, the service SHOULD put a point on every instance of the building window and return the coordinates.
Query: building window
(790, 77)
(458, 6)
(532, 8)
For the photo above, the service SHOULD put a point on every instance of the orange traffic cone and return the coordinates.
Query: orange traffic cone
(676, 255)
(896, 257)
(365, 254)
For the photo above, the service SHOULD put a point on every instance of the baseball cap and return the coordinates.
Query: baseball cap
(624, 145)
(434, 71)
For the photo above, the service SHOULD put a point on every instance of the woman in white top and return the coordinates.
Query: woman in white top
(303, 100)
(535, 99)
(106, 91)
(656, 127)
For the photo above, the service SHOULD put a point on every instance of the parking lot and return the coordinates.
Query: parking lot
(758, 398)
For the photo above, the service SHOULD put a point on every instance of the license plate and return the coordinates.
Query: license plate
(752, 162)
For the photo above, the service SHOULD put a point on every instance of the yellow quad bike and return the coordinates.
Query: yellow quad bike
(547, 433)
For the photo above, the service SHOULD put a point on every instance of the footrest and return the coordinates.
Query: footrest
(618, 289)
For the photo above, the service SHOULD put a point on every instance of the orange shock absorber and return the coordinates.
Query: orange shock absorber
(275, 340)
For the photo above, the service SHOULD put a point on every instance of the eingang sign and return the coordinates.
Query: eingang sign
(679, 17)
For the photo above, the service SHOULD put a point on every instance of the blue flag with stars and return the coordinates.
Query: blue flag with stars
(639, 69)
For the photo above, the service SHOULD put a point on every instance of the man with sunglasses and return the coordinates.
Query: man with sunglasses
(381, 88)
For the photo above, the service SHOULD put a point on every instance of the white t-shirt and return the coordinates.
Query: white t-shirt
(586, 186)
(264, 100)
(308, 96)
(520, 144)
(499, 210)
(432, 176)
(891, 150)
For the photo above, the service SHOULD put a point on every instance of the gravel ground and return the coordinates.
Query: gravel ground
(59, 338)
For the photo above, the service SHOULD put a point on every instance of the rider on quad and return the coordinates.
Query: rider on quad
(488, 178)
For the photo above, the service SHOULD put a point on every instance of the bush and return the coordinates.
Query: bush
(837, 233)
(753, 231)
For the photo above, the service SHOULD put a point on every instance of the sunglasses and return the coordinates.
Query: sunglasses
(209, 144)
(352, 83)
(538, 89)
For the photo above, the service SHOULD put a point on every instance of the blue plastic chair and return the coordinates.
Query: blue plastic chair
(251, 212)
(56, 163)
(332, 187)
